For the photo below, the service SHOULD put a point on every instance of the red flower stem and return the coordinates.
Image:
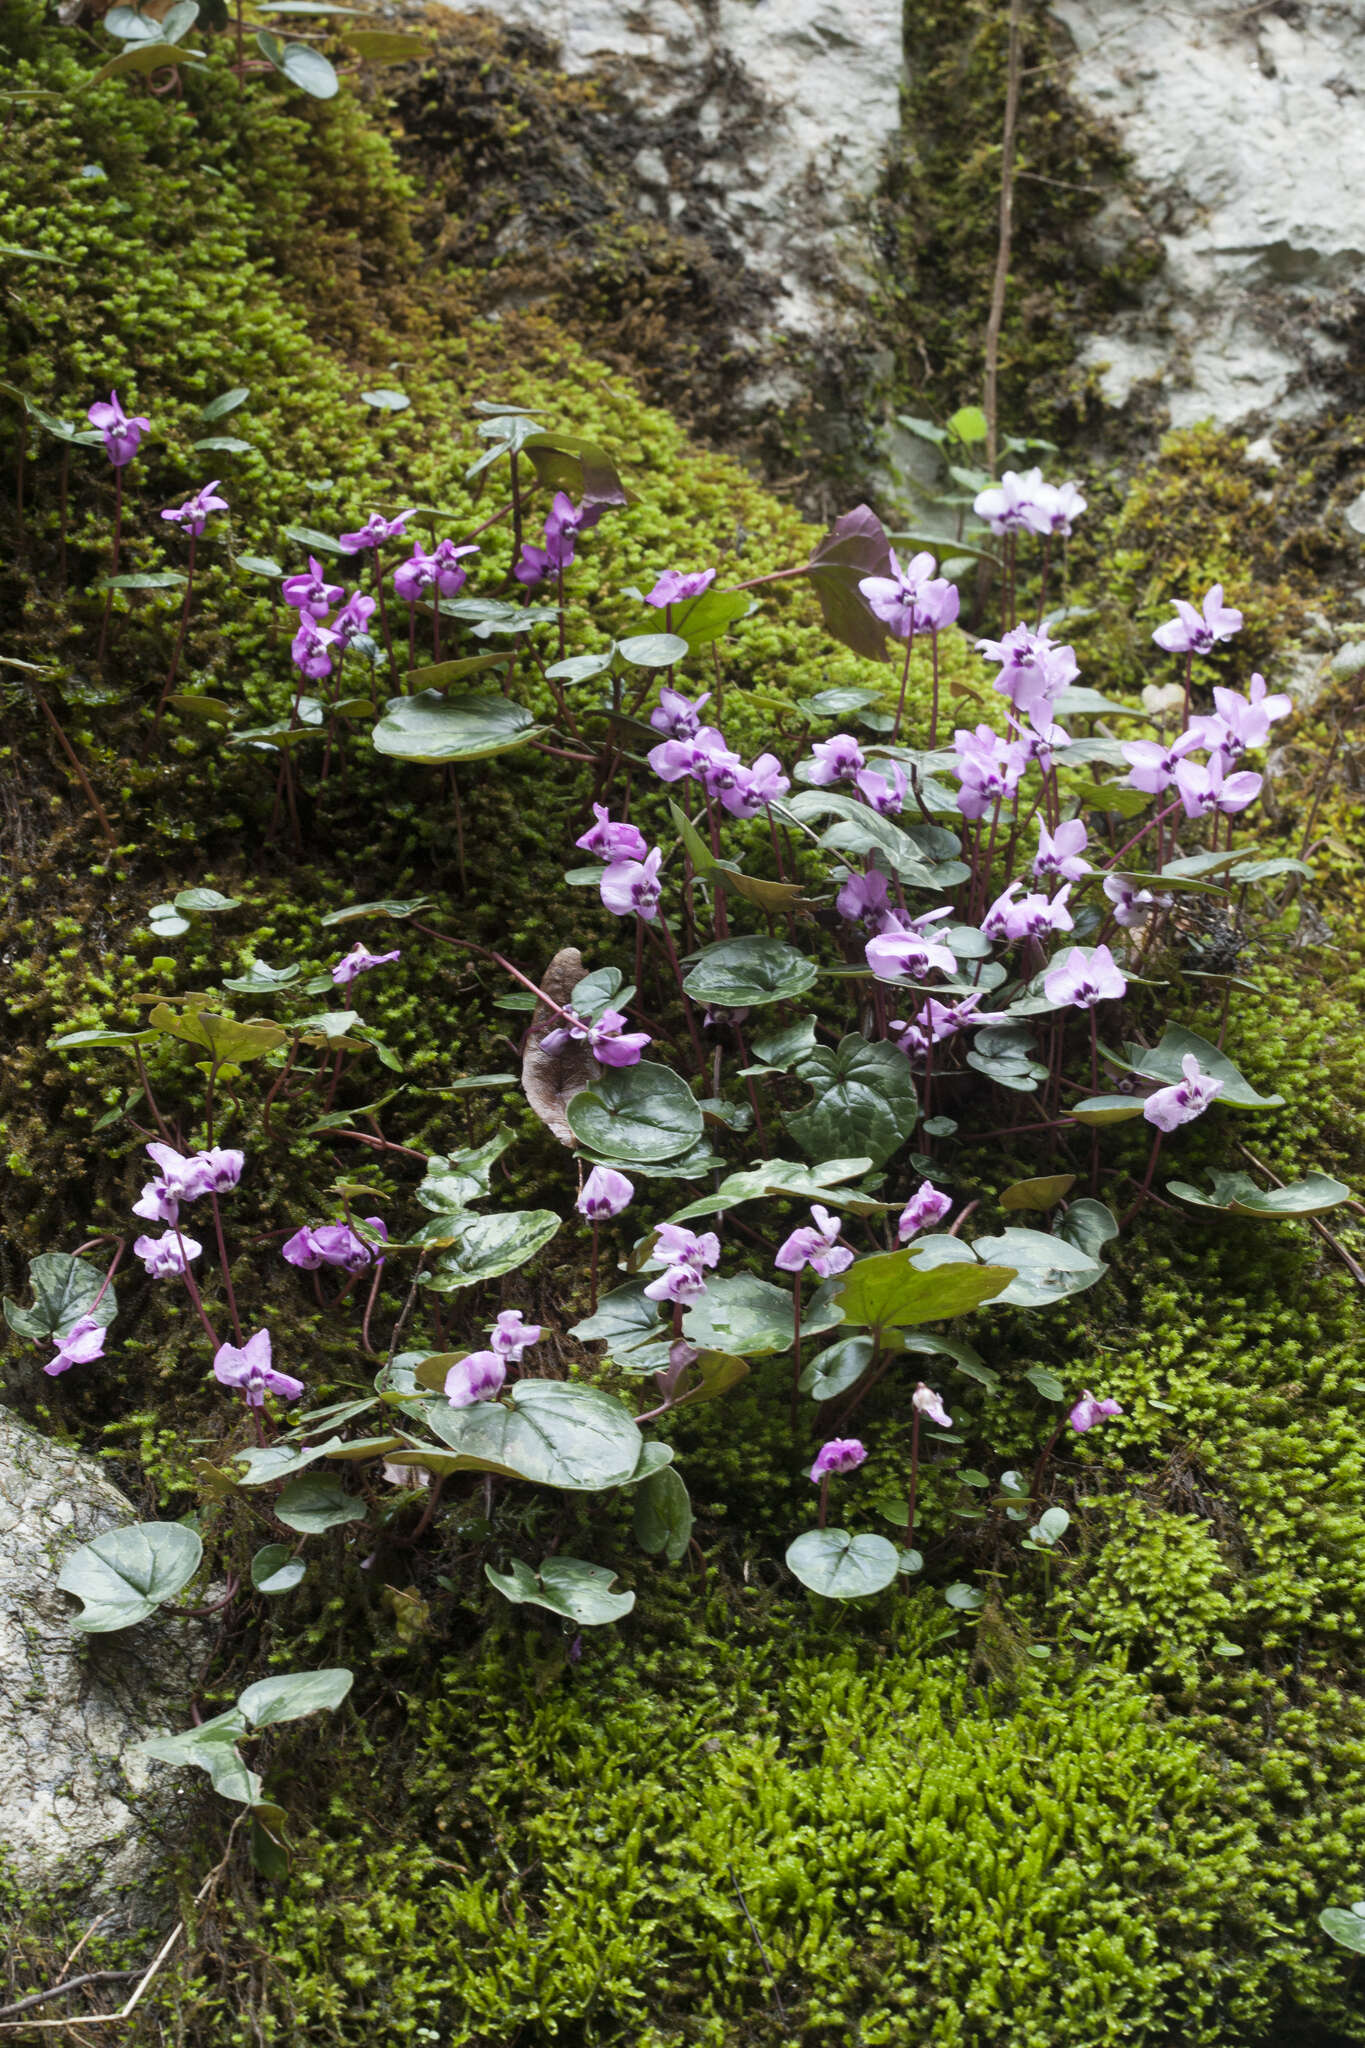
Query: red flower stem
(796, 1357)
(933, 715)
(1146, 1187)
(84, 780)
(223, 1262)
(688, 1012)
(1043, 1457)
(824, 1500)
(905, 678)
(914, 1480)
(113, 571)
(194, 1293)
(1156, 820)
(593, 1310)
(383, 608)
(169, 683)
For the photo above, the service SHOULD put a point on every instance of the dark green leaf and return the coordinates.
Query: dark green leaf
(432, 728)
(702, 620)
(125, 1574)
(1236, 1194)
(663, 1515)
(275, 1569)
(555, 1433)
(566, 1585)
(317, 1501)
(746, 1317)
(641, 1112)
(855, 546)
(745, 973)
(1047, 1269)
(315, 542)
(65, 1289)
(482, 1247)
(653, 650)
(864, 1101)
(1163, 1064)
(840, 1566)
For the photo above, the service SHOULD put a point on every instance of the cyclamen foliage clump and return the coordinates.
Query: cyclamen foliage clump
(971, 916)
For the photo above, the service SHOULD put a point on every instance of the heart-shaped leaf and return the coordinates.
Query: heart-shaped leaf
(822, 1183)
(65, 1289)
(223, 1038)
(744, 973)
(663, 1515)
(1046, 1269)
(1236, 1194)
(864, 1100)
(555, 1433)
(275, 1569)
(836, 1369)
(1346, 1925)
(317, 1501)
(482, 1247)
(292, 1694)
(843, 1567)
(750, 1318)
(855, 546)
(1038, 1195)
(1089, 1225)
(642, 1112)
(566, 1585)
(630, 1326)
(1163, 1063)
(211, 1747)
(892, 1289)
(125, 1574)
(700, 620)
(433, 728)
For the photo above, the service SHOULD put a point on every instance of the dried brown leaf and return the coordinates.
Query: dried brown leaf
(551, 1080)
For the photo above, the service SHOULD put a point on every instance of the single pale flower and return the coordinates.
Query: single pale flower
(217, 1170)
(511, 1334)
(168, 1255)
(121, 432)
(840, 1454)
(249, 1370)
(816, 1246)
(1054, 507)
(677, 716)
(354, 618)
(631, 887)
(310, 592)
(752, 789)
(835, 760)
(1031, 917)
(373, 534)
(1198, 630)
(311, 648)
(478, 1376)
(193, 515)
(928, 1403)
(1059, 852)
(679, 1284)
(865, 899)
(1033, 671)
(926, 1207)
(677, 584)
(83, 1342)
(1246, 721)
(911, 599)
(1168, 1108)
(1082, 982)
(907, 956)
(1132, 906)
(1006, 507)
(612, 841)
(1088, 1411)
(604, 1193)
(159, 1202)
(988, 767)
(359, 961)
(885, 793)
(684, 1256)
(1152, 765)
(1205, 789)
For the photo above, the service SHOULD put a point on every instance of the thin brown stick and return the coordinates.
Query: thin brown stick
(1002, 258)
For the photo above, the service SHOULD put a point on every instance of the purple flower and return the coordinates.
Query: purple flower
(353, 618)
(935, 1021)
(926, 1207)
(121, 434)
(612, 842)
(676, 715)
(451, 574)
(907, 955)
(193, 515)
(835, 760)
(564, 520)
(988, 767)
(1088, 1411)
(604, 1193)
(358, 961)
(680, 1283)
(1032, 669)
(250, 1370)
(312, 593)
(840, 1454)
(168, 1255)
(610, 1043)
(1131, 906)
(185, 1177)
(1168, 1108)
(1153, 765)
(1059, 852)
(158, 1202)
(1053, 508)
(1082, 982)
(1032, 917)
(676, 584)
(912, 599)
(1208, 789)
(631, 887)
(928, 1403)
(887, 798)
(1007, 506)
(511, 1334)
(1197, 631)
(217, 1170)
(864, 899)
(312, 647)
(416, 575)
(333, 1244)
(815, 1246)
(684, 1257)
(82, 1342)
(475, 1377)
(720, 771)
(1247, 720)
(752, 789)
(373, 534)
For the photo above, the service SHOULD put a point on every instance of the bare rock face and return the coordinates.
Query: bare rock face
(72, 1708)
(767, 121)
(1247, 143)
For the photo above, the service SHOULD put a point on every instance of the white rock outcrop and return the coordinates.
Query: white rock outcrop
(72, 1708)
(1246, 131)
(778, 115)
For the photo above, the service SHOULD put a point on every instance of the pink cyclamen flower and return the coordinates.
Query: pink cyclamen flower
(441, 570)
(511, 1334)
(927, 1402)
(83, 1342)
(120, 431)
(1132, 906)
(865, 899)
(218, 1170)
(1006, 506)
(1247, 720)
(159, 1202)
(906, 956)
(835, 760)
(927, 1206)
(911, 599)
(885, 793)
(1152, 765)
(310, 591)
(373, 534)
(166, 1256)
(193, 515)
(612, 841)
(564, 520)
(1168, 1108)
(359, 961)
(684, 1257)
(1205, 789)
(678, 716)
(478, 1376)
(935, 1021)
(752, 789)
(311, 648)
(451, 573)
(1032, 917)
(677, 584)
(187, 1176)
(1088, 1411)
(1059, 852)
(249, 1370)
(988, 767)
(354, 618)
(840, 1454)
(611, 1044)
(1197, 630)
(631, 888)
(1082, 982)
(1032, 669)
(816, 1246)
(604, 1193)
(333, 1244)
